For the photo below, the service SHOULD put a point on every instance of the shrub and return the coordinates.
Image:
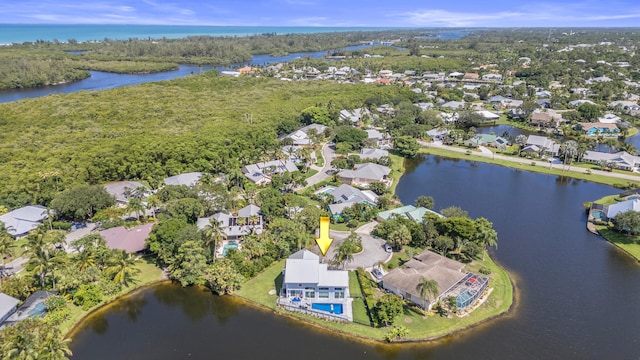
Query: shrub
(61, 225)
(485, 271)
(87, 296)
(54, 303)
(396, 333)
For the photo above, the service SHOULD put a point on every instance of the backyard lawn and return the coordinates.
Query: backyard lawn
(630, 244)
(257, 290)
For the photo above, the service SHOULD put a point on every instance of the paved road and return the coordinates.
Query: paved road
(372, 247)
(75, 235)
(328, 153)
(538, 163)
(14, 266)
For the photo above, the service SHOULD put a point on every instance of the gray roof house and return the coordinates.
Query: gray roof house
(345, 196)
(371, 154)
(365, 174)
(189, 179)
(541, 143)
(130, 240)
(612, 210)
(20, 221)
(8, 306)
(232, 227)
(122, 190)
(382, 140)
(622, 159)
(454, 105)
(404, 281)
(301, 137)
(260, 173)
(354, 115)
(310, 286)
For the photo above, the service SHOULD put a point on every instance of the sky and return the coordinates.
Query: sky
(335, 13)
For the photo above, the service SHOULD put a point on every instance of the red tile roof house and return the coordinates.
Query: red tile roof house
(130, 240)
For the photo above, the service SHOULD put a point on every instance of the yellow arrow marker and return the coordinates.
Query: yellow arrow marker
(324, 241)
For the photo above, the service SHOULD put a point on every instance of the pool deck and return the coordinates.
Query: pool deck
(304, 306)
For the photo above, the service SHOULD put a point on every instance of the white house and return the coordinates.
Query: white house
(189, 179)
(8, 306)
(123, 190)
(365, 174)
(309, 286)
(371, 154)
(260, 173)
(20, 221)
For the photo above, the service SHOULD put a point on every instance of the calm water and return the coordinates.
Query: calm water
(578, 295)
(18, 33)
(103, 80)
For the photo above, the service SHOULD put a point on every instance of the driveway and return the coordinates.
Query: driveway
(328, 153)
(372, 247)
(75, 235)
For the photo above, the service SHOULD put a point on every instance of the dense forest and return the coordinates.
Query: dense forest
(199, 123)
(54, 62)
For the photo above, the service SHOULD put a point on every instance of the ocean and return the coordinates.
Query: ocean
(19, 33)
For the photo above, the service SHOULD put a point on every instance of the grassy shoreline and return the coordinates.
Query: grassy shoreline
(528, 167)
(255, 292)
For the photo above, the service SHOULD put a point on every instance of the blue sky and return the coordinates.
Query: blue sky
(383, 13)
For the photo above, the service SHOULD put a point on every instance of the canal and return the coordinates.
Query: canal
(577, 294)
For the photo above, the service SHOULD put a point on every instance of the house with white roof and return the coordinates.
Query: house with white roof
(371, 154)
(541, 144)
(354, 115)
(621, 160)
(188, 179)
(310, 286)
(365, 174)
(260, 173)
(20, 221)
(301, 136)
(124, 190)
(382, 140)
(409, 212)
(610, 211)
(235, 226)
(8, 306)
(345, 196)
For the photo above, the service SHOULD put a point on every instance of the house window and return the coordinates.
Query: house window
(310, 292)
(295, 293)
(323, 293)
(339, 293)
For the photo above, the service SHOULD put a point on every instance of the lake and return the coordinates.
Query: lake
(577, 294)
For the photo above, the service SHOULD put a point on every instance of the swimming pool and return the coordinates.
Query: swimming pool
(330, 308)
(38, 310)
(229, 245)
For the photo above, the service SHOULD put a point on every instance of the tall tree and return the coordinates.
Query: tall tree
(428, 290)
(122, 267)
(213, 235)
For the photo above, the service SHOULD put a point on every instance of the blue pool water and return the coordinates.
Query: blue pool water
(230, 245)
(330, 308)
(38, 310)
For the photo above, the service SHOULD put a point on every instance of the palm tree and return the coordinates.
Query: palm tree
(122, 267)
(136, 206)
(569, 150)
(213, 235)
(428, 289)
(54, 346)
(400, 237)
(152, 204)
(44, 260)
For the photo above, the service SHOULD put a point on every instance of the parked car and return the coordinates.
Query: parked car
(377, 273)
(387, 247)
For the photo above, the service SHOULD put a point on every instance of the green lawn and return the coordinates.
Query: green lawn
(149, 273)
(310, 173)
(397, 169)
(630, 244)
(257, 290)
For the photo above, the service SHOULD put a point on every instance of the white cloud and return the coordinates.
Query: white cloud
(534, 15)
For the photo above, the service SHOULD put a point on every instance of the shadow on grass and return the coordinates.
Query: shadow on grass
(278, 282)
